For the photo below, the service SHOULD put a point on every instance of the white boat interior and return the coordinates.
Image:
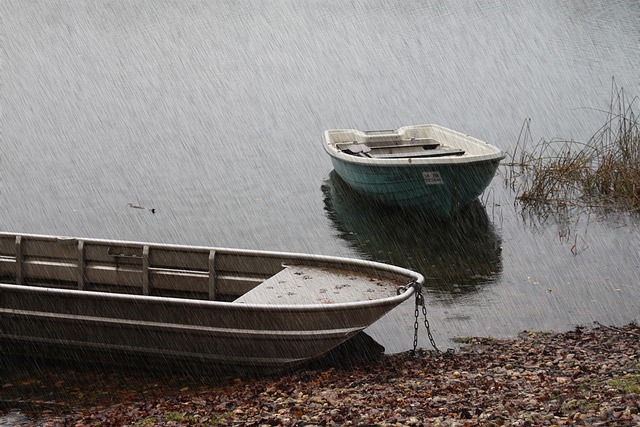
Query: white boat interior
(419, 141)
(199, 273)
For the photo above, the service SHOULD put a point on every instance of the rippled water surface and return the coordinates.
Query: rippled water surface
(212, 114)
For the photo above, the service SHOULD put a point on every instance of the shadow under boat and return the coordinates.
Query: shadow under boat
(457, 256)
(359, 349)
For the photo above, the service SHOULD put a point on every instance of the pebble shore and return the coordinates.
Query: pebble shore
(588, 376)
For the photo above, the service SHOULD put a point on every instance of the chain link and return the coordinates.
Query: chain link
(415, 326)
(420, 303)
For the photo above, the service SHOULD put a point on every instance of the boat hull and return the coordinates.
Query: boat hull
(75, 298)
(440, 189)
(174, 330)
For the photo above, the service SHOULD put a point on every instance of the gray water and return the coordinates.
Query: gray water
(212, 112)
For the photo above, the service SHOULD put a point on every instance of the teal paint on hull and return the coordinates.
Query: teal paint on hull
(440, 189)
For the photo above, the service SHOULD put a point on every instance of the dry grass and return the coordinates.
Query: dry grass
(604, 172)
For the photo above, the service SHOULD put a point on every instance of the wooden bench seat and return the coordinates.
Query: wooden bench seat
(414, 154)
(426, 143)
(356, 147)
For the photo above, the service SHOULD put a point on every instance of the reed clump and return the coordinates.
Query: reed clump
(604, 172)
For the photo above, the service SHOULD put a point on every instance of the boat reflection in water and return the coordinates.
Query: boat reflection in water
(457, 256)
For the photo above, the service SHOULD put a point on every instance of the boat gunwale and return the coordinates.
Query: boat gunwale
(413, 162)
(249, 307)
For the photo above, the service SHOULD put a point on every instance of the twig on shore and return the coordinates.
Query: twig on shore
(613, 328)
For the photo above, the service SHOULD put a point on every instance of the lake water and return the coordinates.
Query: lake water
(212, 113)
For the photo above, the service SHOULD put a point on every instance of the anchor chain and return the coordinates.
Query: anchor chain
(420, 302)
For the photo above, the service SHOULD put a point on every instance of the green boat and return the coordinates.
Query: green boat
(429, 167)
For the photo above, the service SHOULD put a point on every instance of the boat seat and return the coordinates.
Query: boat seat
(303, 284)
(426, 143)
(420, 154)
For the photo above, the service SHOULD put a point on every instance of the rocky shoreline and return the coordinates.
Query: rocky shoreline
(588, 376)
